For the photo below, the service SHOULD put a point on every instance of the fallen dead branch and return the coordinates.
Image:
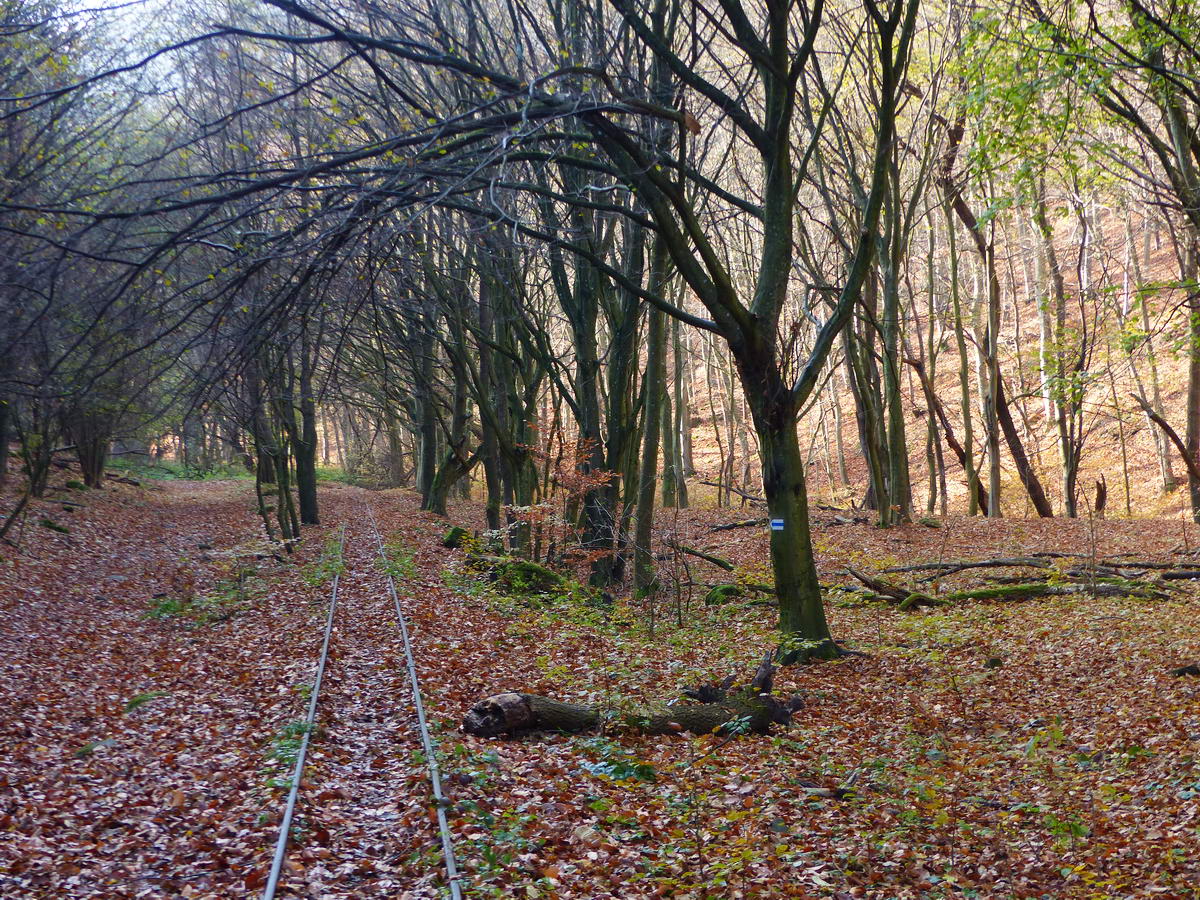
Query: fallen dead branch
(719, 561)
(728, 487)
(744, 523)
(949, 568)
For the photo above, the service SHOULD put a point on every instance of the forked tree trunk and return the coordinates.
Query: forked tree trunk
(5, 431)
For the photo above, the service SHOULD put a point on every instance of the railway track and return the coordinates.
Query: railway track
(366, 640)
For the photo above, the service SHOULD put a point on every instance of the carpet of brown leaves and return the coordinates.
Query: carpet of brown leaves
(141, 755)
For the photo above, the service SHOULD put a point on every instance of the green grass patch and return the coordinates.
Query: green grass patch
(285, 745)
(282, 753)
(401, 560)
(139, 700)
(323, 569)
(169, 470)
(92, 746)
(334, 474)
(225, 600)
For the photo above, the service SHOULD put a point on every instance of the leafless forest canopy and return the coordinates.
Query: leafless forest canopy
(918, 258)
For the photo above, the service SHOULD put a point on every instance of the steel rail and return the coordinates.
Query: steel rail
(289, 811)
(435, 779)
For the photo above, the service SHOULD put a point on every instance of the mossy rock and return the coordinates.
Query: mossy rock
(454, 537)
(77, 485)
(723, 593)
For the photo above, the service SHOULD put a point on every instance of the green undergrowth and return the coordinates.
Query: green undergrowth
(283, 750)
(228, 597)
(401, 559)
(618, 633)
(496, 837)
(328, 564)
(169, 470)
(334, 475)
(140, 700)
(512, 592)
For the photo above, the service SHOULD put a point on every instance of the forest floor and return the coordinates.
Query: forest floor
(156, 655)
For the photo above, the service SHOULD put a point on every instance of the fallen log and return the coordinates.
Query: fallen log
(723, 593)
(949, 568)
(751, 708)
(1048, 589)
(1098, 587)
(896, 594)
(513, 713)
(1107, 567)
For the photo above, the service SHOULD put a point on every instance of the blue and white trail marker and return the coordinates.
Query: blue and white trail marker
(777, 524)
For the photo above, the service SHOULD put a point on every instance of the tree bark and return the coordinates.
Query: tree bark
(513, 713)
(5, 437)
(648, 471)
(305, 448)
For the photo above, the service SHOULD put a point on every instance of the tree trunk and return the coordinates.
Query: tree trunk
(652, 392)
(91, 445)
(5, 437)
(451, 471)
(679, 458)
(976, 494)
(667, 429)
(1028, 477)
(1192, 436)
(979, 494)
(1161, 446)
(801, 609)
(305, 449)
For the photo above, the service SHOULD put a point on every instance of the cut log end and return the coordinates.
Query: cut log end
(498, 714)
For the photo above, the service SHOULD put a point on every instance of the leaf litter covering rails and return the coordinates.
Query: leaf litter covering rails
(140, 749)
(369, 755)
(306, 727)
(427, 745)
(973, 779)
(132, 742)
